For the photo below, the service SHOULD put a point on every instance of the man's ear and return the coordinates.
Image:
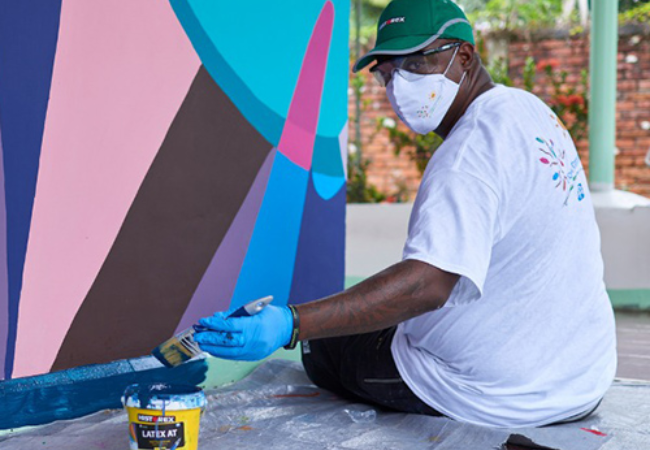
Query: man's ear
(466, 54)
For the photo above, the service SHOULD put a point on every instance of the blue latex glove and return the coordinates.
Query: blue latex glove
(246, 338)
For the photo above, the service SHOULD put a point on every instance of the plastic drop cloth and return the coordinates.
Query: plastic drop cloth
(276, 407)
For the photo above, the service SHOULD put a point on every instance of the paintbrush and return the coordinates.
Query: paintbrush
(182, 347)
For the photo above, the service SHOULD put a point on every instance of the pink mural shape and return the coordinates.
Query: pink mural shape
(299, 133)
(121, 72)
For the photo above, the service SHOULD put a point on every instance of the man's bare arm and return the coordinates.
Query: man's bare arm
(402, 291)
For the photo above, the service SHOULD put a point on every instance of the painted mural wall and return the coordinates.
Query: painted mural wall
(163, 160)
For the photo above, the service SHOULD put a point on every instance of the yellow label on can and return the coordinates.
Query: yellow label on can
(151, 429)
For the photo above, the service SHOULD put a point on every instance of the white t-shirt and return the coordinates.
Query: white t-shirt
(527, 336)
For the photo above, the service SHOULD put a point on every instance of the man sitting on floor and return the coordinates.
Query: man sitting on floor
(498, 313)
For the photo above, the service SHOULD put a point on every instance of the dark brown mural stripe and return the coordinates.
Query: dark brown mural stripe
(187, 201)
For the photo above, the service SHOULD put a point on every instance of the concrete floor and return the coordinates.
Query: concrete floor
(633, 334)
(633, 343)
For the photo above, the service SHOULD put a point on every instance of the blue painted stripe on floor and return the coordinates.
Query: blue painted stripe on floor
(84, 390)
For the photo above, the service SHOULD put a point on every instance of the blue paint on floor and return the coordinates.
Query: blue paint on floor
(84, 390)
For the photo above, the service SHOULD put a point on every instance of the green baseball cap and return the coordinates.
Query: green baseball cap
(406, 26)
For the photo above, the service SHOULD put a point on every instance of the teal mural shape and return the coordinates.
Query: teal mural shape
(259, 68)
(263, 45)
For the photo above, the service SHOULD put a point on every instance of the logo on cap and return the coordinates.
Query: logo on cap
(390, 21)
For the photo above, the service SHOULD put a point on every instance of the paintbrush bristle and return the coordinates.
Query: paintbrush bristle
(183, 347)
(177, 350)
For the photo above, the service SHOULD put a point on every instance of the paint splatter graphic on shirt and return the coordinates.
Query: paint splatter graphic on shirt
(564, 174)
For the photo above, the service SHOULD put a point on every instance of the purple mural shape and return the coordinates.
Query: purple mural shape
(218, 283)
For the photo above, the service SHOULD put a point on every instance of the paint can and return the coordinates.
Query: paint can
(164, 416)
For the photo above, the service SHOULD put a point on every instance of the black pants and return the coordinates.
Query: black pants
(361, 368)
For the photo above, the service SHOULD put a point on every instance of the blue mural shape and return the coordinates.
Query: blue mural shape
(319, 269)
(28, 36)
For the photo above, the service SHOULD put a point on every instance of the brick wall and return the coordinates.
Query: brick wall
(632, 100)
(390, 173)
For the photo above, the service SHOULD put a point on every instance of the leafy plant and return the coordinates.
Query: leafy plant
(370, 11)
(529, 72)
(498, 70)
(358, 188)
(419, 147)
(638, 14)
(535, 14)
(517, 14)
(569, 102)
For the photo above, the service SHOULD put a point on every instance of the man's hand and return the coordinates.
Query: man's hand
(246, 338)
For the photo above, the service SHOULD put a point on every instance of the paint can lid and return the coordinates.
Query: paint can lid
(164, 396)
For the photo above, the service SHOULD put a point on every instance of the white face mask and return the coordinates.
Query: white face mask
(422, 101)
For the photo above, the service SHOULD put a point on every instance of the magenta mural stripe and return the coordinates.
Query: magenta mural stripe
(269, 263)
(4, 283)
(118, 82)
(299, 133)
(219, 281)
